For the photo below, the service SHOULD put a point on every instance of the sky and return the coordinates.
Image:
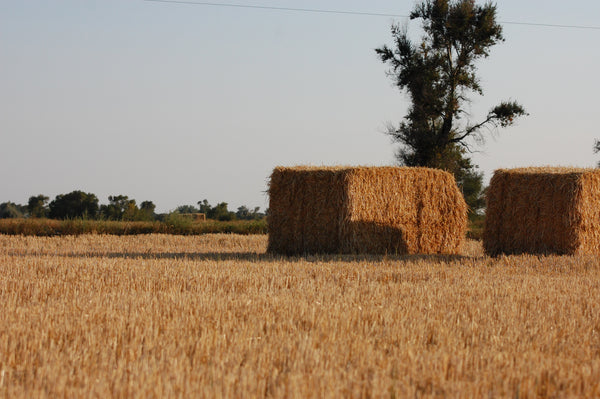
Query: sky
(176, 103)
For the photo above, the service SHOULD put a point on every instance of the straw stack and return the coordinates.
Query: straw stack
(543, 210)
(365, 210)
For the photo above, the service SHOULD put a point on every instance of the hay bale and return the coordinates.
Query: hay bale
(365, 210)
(543, 210)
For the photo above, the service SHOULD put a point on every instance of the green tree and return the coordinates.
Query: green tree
(131, 211)
(204, 207)
(471, 183)
(117, 205)
(146, 212)
(37, 206)
(10, 210)
(186, 209)
(244, 213)
(75, 204)
(438, 73)
(220, 212)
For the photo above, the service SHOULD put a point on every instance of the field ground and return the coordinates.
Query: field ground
(213, 316)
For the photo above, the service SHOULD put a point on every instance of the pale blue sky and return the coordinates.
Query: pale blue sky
(176, 103)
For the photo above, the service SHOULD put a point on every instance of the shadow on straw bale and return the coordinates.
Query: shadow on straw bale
(543, 211)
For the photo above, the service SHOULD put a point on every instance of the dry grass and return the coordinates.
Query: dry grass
(214, 316)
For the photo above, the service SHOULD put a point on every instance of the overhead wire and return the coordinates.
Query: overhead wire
(346, 12)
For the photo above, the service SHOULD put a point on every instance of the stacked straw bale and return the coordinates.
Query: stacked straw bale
(365, 210)
(543, 210)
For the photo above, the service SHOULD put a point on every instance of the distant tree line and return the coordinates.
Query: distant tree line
(220, 211)
(80, 205)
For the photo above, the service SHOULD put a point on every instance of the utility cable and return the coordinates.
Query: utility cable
(371, 14)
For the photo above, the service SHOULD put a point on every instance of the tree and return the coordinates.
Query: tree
(471, 184)
(438, 73)
(147, 209)
(75, 204)
(120, 207)
(597, 149)
(186, 209)
(220, 212)
(37, 206)
(10, 210)
(244, 213)
(131, 211)
(204, 207)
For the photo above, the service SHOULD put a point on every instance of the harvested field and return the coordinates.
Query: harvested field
(215, 316)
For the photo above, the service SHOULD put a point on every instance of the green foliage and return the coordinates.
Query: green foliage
(220, 212)
(10, 210)
(120, 207)
(37, 206)
(505, 113)
(115, 208)
(243, 213)
(204, 207)
(468, 179)
(476, 225)
(117, 205)
(146, 211)
(438, 73)
(131, 211)
(471, 184)
(176, 222)
(186, 209)
(74, 205)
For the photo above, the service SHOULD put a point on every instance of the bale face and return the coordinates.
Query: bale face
(365, 210)
(543, 210)
(297, 217)
(588, 213)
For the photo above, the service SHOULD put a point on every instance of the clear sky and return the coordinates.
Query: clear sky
(175, 103)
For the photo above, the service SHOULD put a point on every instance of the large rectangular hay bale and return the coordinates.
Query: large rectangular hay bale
(365, 210)
(543, 210)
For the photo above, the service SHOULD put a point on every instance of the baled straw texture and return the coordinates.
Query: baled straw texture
(543, 210)
(365, 210)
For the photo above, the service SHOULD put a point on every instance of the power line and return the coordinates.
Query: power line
(372, 14)
(344, 12)
(550, 25)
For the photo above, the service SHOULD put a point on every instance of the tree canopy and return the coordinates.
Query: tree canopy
(73, 205)
(37, 206)
(10, 210)
(438, 73)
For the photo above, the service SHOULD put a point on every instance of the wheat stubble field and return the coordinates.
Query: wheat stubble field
(213, 316)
